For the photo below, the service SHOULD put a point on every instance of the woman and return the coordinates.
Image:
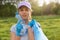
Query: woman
(25, 32)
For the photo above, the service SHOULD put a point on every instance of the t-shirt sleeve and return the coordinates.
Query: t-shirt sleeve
(13, 28)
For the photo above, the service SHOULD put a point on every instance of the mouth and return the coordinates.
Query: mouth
(24, 15)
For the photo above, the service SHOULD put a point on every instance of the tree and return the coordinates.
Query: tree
(57, 9)
(7, 10)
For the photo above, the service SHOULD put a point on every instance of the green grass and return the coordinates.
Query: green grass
(49, 24)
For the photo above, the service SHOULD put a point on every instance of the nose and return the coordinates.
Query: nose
(24, 11)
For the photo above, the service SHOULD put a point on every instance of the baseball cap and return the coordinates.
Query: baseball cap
(24, 3)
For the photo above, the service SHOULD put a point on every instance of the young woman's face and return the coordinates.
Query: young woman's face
(24, 12)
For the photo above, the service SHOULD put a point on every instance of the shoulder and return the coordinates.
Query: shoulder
(13, 28)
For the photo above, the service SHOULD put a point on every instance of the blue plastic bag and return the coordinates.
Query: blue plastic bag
(38, 33)
(18, 17)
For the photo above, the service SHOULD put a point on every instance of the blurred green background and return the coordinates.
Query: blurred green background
(40, 7)
(48, 15)
(49, 24)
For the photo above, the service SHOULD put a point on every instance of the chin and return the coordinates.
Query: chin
(24, 18)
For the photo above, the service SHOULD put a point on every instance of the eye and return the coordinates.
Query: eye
(21, 9)
(27, 9)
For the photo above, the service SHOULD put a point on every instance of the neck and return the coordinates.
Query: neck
(27, 20)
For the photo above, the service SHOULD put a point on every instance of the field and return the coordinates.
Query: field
(49, 24)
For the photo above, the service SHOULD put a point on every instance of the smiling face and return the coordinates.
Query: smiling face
(24, 12)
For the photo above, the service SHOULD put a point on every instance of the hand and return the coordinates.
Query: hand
(30, 34)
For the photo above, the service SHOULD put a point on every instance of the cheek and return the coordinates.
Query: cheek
(20, 13)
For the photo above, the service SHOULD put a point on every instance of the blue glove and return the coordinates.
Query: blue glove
(31, 23)
(19, 27)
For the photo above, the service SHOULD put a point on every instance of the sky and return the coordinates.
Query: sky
(40, 2)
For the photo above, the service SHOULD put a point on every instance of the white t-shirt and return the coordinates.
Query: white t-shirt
(25, 37)
(13, 29)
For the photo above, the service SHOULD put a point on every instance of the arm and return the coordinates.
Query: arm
(30, 34)
(18, 38)
(14, 37)
(12, 33)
